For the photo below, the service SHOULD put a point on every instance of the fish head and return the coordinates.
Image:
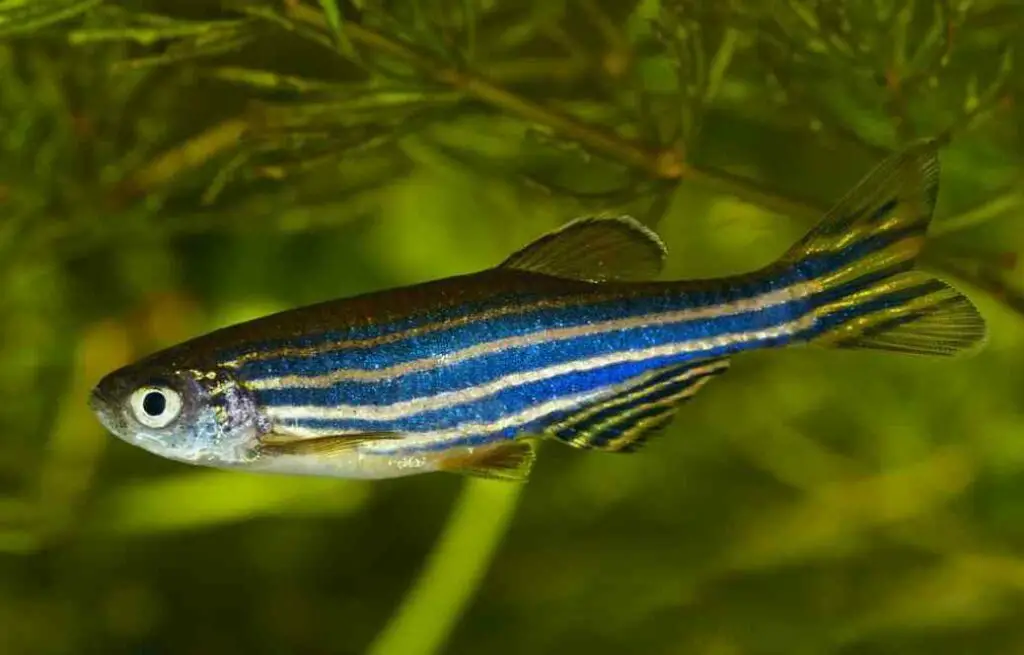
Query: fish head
(192, 415)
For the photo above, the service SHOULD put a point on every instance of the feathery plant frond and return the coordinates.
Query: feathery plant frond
(647, 108)
(668, 82)
(26, 17)
(126, 127)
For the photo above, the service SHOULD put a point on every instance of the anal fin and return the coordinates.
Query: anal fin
(505, 460)
(624, 422)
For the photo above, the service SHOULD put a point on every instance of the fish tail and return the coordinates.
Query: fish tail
(860, 259)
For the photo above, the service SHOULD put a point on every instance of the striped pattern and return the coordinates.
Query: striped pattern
(572, 328)
(457, 381)
(619, 424)
(483, 389)
(600, 365)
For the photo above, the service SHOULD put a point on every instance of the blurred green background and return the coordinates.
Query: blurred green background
(168, 167)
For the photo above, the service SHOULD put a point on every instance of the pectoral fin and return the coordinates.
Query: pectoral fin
(506, 460)
(285, 444)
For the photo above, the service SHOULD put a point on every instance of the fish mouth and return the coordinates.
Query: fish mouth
(97, 401)
(100, 405)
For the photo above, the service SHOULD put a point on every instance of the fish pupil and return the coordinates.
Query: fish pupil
(154, 403)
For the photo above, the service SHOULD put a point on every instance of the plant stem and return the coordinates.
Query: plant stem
(663, 163)
(453, 571)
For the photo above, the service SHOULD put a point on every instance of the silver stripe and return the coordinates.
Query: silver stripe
(448, 399)
(437, 440)
(404, 409)
(898, 251)
(770, 299)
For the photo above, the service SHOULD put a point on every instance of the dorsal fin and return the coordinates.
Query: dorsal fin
(595, 249)
(625, 421)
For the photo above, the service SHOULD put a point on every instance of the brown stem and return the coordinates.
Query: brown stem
(663, 163)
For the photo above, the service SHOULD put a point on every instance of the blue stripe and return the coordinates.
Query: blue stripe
(486, 368)
(372, 329)
(445, 340)
(504, 403)
(824, 324)
(819, 265)
(519, 398)
(809, 268)
(508, 401)
(516, 399)
(841, 291)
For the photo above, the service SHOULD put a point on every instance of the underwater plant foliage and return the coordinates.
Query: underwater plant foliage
(168, 168)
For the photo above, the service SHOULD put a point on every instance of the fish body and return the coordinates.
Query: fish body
(568, 339)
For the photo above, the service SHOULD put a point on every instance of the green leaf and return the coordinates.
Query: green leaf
(335, 22)
(19, 17)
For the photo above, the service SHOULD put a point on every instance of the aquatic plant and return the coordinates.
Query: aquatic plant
(168, 167)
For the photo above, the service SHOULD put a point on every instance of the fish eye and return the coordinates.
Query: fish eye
(155, 407)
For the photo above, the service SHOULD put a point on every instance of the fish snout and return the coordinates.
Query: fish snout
(97, 401)
(103, 406)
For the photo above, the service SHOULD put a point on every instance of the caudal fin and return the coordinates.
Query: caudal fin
(861, 255)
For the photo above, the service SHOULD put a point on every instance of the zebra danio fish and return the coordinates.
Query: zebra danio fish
(569, 339)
